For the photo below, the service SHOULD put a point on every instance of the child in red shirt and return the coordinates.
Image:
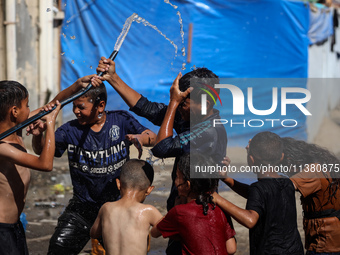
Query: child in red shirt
(200, 225)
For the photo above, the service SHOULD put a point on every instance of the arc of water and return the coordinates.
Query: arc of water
(125, 30)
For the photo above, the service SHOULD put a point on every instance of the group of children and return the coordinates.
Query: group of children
(109, 188)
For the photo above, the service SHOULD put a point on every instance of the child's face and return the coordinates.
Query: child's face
(84, 111)
(187, 107)
(181, 184)
(24, 111)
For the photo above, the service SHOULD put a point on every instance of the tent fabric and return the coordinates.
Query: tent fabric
(234, 38)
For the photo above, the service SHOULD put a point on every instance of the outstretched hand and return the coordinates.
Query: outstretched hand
(175, 94)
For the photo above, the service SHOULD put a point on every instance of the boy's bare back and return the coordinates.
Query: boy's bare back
(125, 226)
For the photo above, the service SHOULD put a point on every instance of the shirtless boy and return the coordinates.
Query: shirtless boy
(124, 224)
(15, 161)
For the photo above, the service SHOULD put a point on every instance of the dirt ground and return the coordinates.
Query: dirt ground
(50, 192)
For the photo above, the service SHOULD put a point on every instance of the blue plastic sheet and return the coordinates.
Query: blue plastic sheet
(234, 38)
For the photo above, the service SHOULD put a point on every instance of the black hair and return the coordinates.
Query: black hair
(136, 174)
(97, 94)
(11, 94)
(266, 148)
(298, 153)
(197, 79)
(203, 187)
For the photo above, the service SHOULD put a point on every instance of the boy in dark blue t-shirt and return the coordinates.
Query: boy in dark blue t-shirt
(97, 143)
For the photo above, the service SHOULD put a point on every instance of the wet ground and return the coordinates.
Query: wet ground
(50, 192)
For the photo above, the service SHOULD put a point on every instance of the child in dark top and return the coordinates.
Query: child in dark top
(200, 225)
(270, 212)
(98, 145)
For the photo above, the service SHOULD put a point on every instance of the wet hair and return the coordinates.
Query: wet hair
(197, 79)
(136, 174)
(299, 153)
(266, 148)
(11, 94)
(203, 187)
(97, 94)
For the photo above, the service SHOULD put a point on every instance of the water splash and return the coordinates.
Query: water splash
(125, 30)
(138, 19)
(183, 51)
(153, 160)
(146, 23)
(180, 21)
(168, 2)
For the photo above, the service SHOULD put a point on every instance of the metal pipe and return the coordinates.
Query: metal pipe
(11, 40)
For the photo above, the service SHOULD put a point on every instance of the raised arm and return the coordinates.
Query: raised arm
(176, 97)
(129, 95)
(37, 128)
(75, 87)
(247, 218)
(45, 161)
(240, 188)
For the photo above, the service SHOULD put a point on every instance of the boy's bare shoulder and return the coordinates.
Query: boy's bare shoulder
(8, 147)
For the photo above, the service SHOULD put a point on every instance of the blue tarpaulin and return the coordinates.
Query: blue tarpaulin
(234, 38)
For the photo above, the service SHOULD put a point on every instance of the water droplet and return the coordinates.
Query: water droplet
(63, 53)
(183, 66)
(73, 37)
(64, 35)
(48, 9)
(72, 61)
(68, 21)
(183, 51)
(168, 2)
(90, 67)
